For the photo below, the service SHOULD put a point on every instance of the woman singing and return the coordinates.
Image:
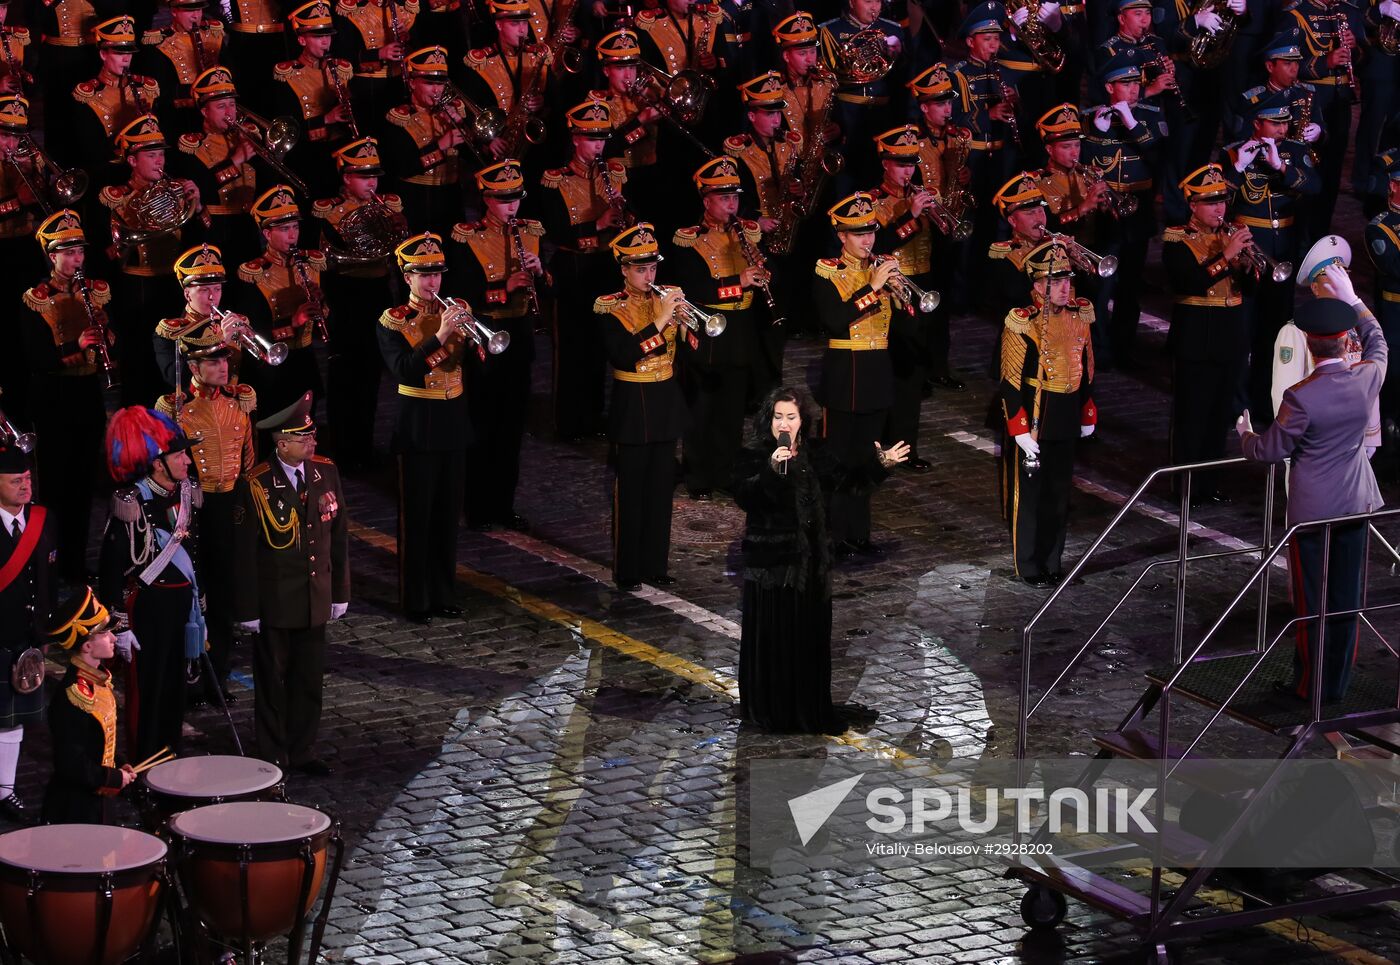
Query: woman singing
(784, 481)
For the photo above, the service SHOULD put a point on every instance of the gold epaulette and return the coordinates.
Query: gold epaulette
(251, 271)
(531, 227)
(686, 237)
(189, 143)
(394, 318)
(552, 178)
(343, 68)
(1179, 233)
(113, 195)
(152, 88)
(399, 116)
(345, 9)
(1013, 350)
(794, 138)
(169, 404)
(463, 231)
(607, 304)
(737, 145)
(646, 19)
(1018, 320)
(215, 27)
(247, 397)
(315, 257)
(283, 70)
(827, 267)
(154, 38)
(19, 33)
(1082, 303)
(479, 56)
(99, 291)
(600, 95)
(323, 460)
(82, 694)
(999, 249)
(752, 232)
(171, 327)
(323, 207)
(38, 298)
(85, 92)
(393, 202)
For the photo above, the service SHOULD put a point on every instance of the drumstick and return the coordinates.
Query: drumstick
(163, 750)
(148, 765)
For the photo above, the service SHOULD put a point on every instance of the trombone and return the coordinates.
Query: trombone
(68, 185)
(265, 351)
(271, 140)
(1081, 257)
(905, 292)
(681, 98)
(478, 125)
(472, 327)
(692, 317)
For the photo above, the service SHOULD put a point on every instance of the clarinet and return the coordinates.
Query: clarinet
(100, 354)
(313, 297)
(755, 259)
(518, 243)
(622, 214)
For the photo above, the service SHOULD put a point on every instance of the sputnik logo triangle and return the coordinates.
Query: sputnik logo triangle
(810, 810)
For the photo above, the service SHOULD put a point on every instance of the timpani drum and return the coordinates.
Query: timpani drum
(192, 782)
(251, 870)
(73, 893)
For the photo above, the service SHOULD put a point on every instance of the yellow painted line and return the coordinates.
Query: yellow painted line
(728, 687)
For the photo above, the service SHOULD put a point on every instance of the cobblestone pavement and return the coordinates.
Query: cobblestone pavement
(560, 775)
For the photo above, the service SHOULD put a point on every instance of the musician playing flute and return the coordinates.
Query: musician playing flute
(496, 267)
(60, 337)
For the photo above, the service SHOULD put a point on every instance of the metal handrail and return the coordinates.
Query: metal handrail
(1182, 558)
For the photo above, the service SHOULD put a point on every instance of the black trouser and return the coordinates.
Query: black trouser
(499, 395)
(646, 478)
(715, 395)
(1388, 313)
(909, 339)
(580, 364)
(1271, 307)
(1129, 240)
(1346, 567)
(1037, 507)
(354, 366)
(216, 576)
(287, 670)
(852, 437)
(158, 617)
(69, 416)
(430, 505)
(1204, 404)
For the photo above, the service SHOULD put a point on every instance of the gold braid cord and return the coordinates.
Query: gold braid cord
(270, 524)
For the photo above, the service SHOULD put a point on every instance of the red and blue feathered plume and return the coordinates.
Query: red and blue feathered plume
(136, 436)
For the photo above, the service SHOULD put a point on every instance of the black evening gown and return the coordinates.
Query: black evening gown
(785, 644)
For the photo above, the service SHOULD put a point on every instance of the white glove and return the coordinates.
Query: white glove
(338, 610)
(1103, 120)
(1209, 21)
(1336, 283)
(1028, 445)
(1242, 425)
(1049, 14)
(251, 626)
(126, 644)
(1238, 7)
(1086, 431)
(1389, 8)
(1125, 111)
(1245, 156)
(1272, 156)
(1021, 16)
(1313, 131)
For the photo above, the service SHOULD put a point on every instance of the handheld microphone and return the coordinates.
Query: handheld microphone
(785, 441)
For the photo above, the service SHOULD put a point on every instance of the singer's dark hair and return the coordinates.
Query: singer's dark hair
(763, 422)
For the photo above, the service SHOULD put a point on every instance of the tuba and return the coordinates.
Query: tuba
(1044, 49)
(862, 58)
(1388, 36)
(160, 208)
(1207, 49)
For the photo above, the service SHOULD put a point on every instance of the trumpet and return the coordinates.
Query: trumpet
(693, 318)
(941, 216)
(1120, 204)
(271, 140)
(905, 292)
(471, 327)
(1258, 263)
(23, 441)
(1083, 260)
(265, 351)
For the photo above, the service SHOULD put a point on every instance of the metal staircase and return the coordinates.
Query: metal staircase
(1175, 904)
